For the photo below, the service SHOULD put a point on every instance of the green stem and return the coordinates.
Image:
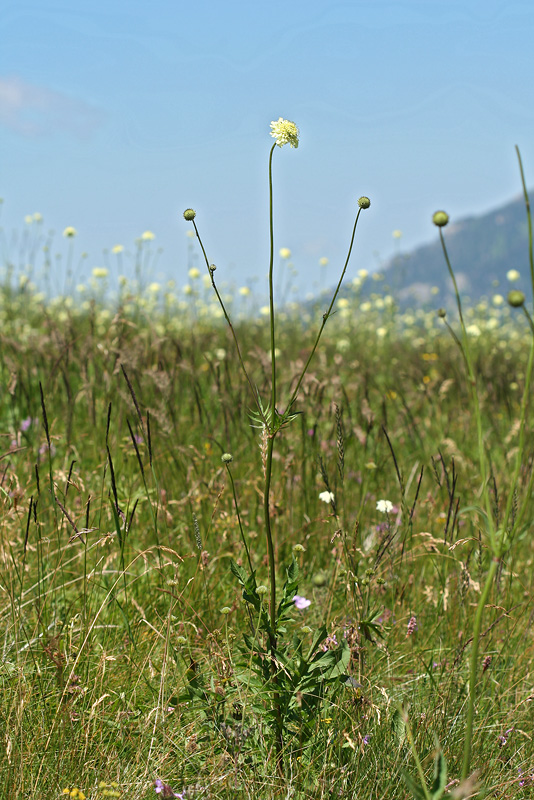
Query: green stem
(529, 218)
(239, 517)
(271, 432)
(522, 422)
(326, 315)
(474, 667)
(271, 291)
(269, 536)
(211, 271)
(464, 349)
(409, 734)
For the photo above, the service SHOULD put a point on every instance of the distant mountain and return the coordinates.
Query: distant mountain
(481, 250)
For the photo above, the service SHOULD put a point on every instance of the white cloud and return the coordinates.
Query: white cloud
(38, 111)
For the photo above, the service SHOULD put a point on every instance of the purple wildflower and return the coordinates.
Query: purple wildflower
(300, 602)
(503, 738)
(166, 791)
(329, 643)
(27, 423)
(366, 739)
(412, 626)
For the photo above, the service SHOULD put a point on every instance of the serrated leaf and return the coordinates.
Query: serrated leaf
(239, 572)
(293, 571)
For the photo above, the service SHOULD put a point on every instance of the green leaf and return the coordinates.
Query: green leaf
(440, 775)
(293, 571)
(318, 639)
(398, 726)
(241, 574)
(415, 790)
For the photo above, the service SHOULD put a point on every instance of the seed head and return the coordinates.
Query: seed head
(189, 214)
(364, 202)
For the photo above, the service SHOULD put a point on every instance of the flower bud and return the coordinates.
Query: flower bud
(440, 219)
(442, 313)
(189, 214)
(226, 458)
(364, 202)
(516, 298)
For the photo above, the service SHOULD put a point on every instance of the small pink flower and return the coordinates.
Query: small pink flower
(412, 626)
(300, 602)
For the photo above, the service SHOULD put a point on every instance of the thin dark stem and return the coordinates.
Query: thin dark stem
(326, 315)
(211, 270)
(529, 218)
(271, 291)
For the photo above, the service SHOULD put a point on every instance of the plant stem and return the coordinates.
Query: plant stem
(271, 291)
(464, 349)
(211, 271)
(474, 665)
(326, 315)
(529, 218)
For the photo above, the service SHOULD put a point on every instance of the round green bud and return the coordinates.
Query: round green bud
(261, 590)
(442, 313)
(364, 202)
(306, 629)
(226, 458)
(298, 548)
(181, 640)
(226, 611)
(440, 219)
(516, 298)
(189, 214)
(320, 579)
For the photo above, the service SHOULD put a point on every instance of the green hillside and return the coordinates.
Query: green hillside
(482, 249)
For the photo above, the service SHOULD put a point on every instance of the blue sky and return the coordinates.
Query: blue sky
(115, 117)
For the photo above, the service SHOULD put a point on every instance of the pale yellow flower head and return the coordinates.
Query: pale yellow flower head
(37, 217)
(100, 272)
(513, 275)
(148, 236)
(285, 252)
(397, 234)
(69, 232)
(194, 273)
(323, 262)
(117, 248)
(244, 291)
(285, 132)
(28, 219)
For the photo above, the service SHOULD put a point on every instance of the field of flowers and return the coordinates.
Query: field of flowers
(239, 561)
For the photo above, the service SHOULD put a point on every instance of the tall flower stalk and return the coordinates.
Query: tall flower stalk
(266, 415)
(499, 538)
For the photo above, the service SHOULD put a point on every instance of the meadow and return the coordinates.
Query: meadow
(153, 507)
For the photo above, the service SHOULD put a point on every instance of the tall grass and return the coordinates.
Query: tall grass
(128, 649)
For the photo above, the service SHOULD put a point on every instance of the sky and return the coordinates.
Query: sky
(117, 116)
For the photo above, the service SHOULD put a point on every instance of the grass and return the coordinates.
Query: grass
(116, 547)
(241, 560)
